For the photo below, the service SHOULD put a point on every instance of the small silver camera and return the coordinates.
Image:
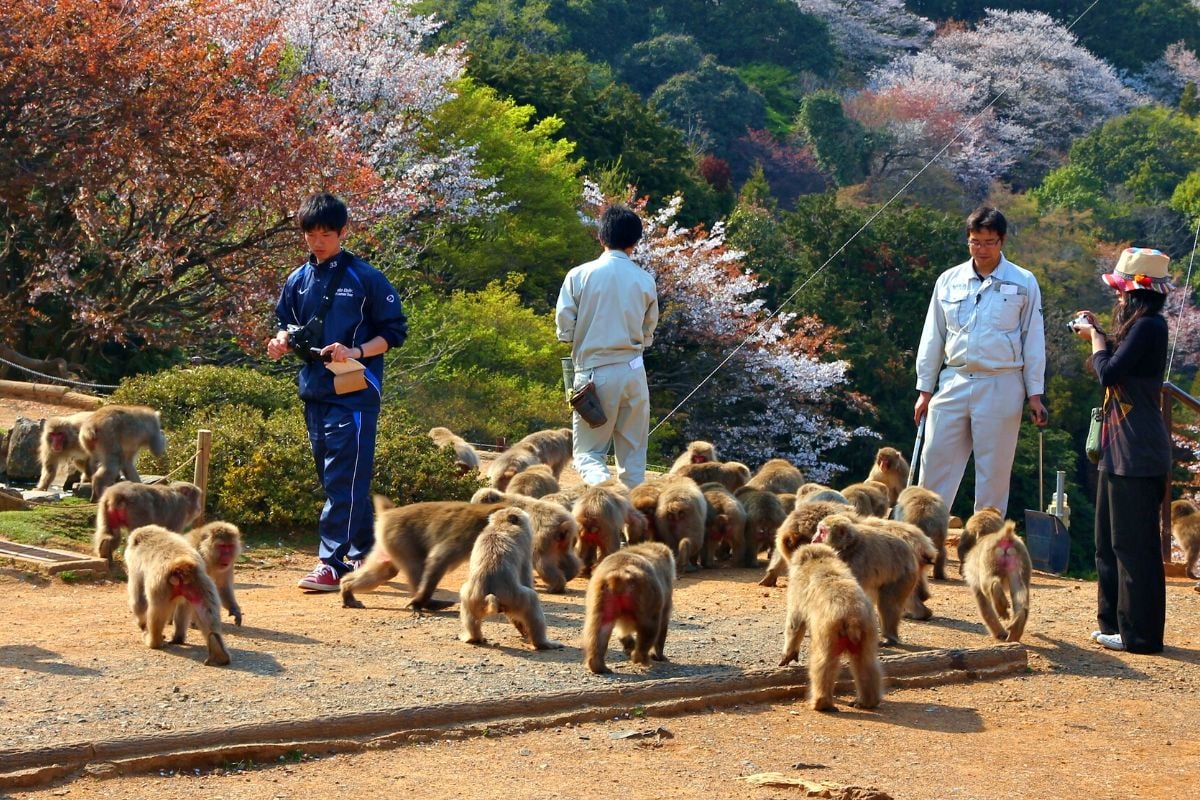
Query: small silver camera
(1080, 320)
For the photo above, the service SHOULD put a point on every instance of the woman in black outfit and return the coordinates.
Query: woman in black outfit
(1136, 455)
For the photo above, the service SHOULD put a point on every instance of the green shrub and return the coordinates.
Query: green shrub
(268, 479)
(178, 393)
(480, 364)
(262, 475)
(410, 468)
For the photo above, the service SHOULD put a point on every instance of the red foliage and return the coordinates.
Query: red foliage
(716, 172)
(150, 157)
(790, 171)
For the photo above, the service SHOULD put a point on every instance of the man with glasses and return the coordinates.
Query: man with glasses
(982, 352)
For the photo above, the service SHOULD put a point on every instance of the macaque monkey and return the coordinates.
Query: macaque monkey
(602, 514)
(997, 562)
(799, 527)
(826, 600)
(500, 580)
(1185, 527)
(828, 496)
(777, 475)
(535, 481)
(508, 465)
(764, 515)
(220, 544)
(549, 447)
(890, 469)
(644, 498)
(167, 579)
(465, 457)
(555, 534)
(925, 553)
(630, 592)
(697, 452)
(679, 520)
(60, 445)
(984, 521)
(730, 474)
(560, 498)
(787, 500)
(724, 526)
(884, 565)
(925, 509)
(807, 490)
(113, 436)
(614, 485)
(425, 540)
(131, 505)
(868, 498)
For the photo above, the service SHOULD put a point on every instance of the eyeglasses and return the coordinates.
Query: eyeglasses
(983, 242)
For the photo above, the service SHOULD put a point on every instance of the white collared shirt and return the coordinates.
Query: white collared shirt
(984, 326)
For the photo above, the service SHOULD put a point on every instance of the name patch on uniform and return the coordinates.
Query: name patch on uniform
(1008, 288)
(345, 291)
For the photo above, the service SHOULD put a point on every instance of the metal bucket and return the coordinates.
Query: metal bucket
(568, 369)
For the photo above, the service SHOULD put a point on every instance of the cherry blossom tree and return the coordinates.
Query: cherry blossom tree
(1165, 78)
(870, 32)
(152, 153)
(771, 385)
(1018, 87)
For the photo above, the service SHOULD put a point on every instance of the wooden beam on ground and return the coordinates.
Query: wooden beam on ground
(357, 732)
(51, 562)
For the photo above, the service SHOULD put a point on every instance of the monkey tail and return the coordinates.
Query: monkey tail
(685, 552)
(491, 604)
(158, 445)
(850, 637)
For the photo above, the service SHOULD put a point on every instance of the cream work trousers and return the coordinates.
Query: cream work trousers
(971, 412)
(625, 398)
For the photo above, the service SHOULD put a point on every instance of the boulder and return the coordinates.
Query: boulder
(22, 462)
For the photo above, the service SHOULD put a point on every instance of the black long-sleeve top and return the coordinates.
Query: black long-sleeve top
(1134, 439)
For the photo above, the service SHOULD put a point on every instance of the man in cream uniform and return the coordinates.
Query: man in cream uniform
(982, 352)
(607, 309)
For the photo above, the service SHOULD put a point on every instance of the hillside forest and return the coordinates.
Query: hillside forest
(803, 168)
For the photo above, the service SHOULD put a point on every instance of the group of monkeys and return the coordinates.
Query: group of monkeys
(185, 578)
(855, 558)
(854, 567)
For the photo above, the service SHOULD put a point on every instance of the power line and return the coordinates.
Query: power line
(841, 249)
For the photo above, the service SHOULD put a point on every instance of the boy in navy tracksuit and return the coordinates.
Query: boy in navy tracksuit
(364, 319)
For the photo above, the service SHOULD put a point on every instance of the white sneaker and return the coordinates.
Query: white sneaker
(1111, 640)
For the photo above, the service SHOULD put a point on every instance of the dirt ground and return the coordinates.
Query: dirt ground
(1081, 720)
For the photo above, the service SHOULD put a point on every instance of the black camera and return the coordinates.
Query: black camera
(303, 340)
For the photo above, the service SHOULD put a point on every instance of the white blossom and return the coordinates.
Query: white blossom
(1019, 88)
(870, 32)
(770, 398)
(370, 62)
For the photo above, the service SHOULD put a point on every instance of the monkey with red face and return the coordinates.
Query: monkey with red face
(630, 593)
(220, 544)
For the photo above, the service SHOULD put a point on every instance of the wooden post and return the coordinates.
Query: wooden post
(203, 453)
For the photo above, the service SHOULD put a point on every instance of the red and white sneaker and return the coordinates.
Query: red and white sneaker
(323, 578)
